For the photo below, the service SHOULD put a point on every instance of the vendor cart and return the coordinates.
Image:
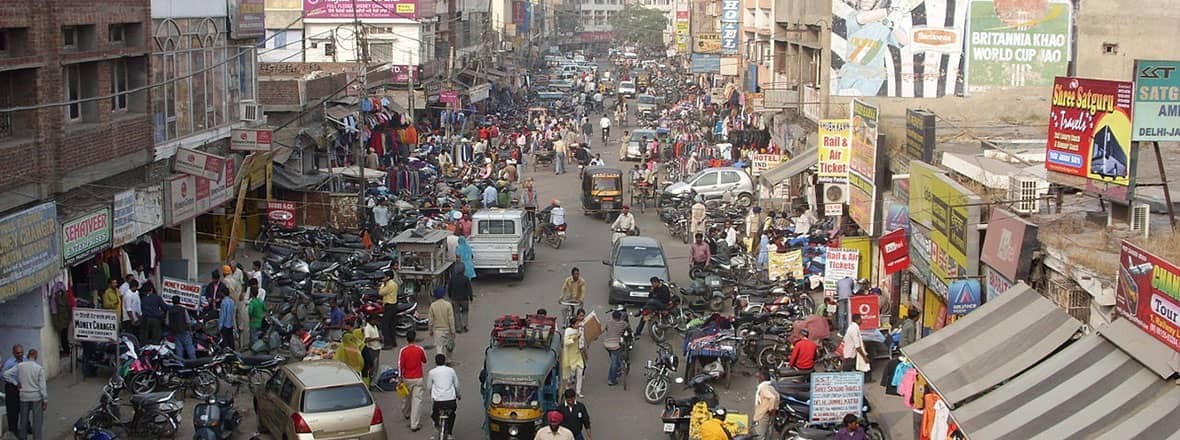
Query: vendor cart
(704, 346)
(422, 259)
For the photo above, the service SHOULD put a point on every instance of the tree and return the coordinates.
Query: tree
(640, 26)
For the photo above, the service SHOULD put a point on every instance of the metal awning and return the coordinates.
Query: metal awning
(992, 344)
(790, 168)
(1144, 348)
(1091, 389)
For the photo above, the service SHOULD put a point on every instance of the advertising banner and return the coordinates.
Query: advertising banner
(448, 96)
(189, 196)
(96, 325)
(1148, 294)
(895, 251)
(247, 19)
(833, 151)
(518, 11)
(897, 216)
(963, 296)
(862, 166)
(198, 163)
(479, 92)
(919, 135)
(402, 74)
(1090, 130)
(363, 9)
(869, 309)
(86, 235)
(703, 63)
(996, 283)
(706, 42)
(952, 212)
(1017, 43)
(281, 213)
(760, 163)
(189, 292)
(1157, 101)
(1009, 244)
(30, 249)
(250, 139)
(835, 395)
(841, 263)
(784, 264)
(682, 32)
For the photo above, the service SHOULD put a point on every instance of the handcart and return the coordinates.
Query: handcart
(705, 346)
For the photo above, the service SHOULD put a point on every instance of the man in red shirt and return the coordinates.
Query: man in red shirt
(409, 365)
(803, 354)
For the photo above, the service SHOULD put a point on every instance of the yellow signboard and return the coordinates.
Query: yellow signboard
(833, 151)
(864, 247)
(783, 264)
(951, 211)
(706, 42)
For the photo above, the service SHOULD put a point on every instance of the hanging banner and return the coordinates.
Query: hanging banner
(1090, 133)
(479, 92)
(281, 213)
(833, 151)
(841, 263)
(1157, 98)
(189, 292)
(448, 96)
(862, 166)
(198, 163)
(1148, 294)
(785, 264)
(30, 248)
(189, 196)
(835, 395)
(963, 296)
(96, 325)
(919, 135)
(760, 163)
(86, 235)
(894, 251)
(869, 309)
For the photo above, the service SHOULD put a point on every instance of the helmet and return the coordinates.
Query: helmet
(555, 202)
(720, 413)
(555, 417)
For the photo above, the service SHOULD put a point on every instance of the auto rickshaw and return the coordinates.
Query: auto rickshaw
(519, 384)
(602, 192)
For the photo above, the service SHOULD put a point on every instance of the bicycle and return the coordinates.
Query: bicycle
(568, 310)
(443, 416)
(625, 355)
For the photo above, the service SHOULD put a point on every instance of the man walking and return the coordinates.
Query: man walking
(700, 253)
(225, 320)
(444, 393)
(574, 416)
(154, 312)
(442, 322)
(560, 153)
(409, 363)
(697, 216)
(612, 340)
(181, 328)
(854, 346)
(112, 299)
(256, 308)
(132, 312)
(34, 396)
(12, 387)
(844, 288)
(459, 290)
(765, 402)
(388, 291)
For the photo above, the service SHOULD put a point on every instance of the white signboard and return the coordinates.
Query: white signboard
(833, 209)
(190, 196)
(480, 92)
(760, 163)
(198, 163)
(189, 292)
(136, 212)
(96, 325)
(835, 395)
(842, 263)
(250, 139)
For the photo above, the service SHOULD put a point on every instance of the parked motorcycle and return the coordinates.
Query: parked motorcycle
(659, 374)
(170, 372)
(215, 419)
(153, 414)
(252, 371)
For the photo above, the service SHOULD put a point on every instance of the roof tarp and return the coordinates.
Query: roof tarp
(790, 168)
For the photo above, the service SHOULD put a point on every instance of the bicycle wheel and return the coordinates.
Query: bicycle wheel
(624, 368)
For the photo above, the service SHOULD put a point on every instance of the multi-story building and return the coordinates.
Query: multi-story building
(284, 32)
(668, 7)
(394, 32)
(595, 18)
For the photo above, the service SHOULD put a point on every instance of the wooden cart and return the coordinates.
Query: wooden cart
(423, 259)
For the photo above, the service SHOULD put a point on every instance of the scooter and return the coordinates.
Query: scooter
(153, 414)
(215, 418)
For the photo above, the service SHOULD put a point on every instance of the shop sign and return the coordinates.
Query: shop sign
(1148, 294)
(402, 74)
(760, 163)
(897, 217)
(1013, 44)
(841, 263)
(996, 283)
(782, 265)
(1157, 98)
(250, 139)
(963, 296)
(86, 235)
(729, 36)
(1090, 135)
(833, 151)
(30, 249)
(869, 309)
(919, 135)
(894, 251)
(833, 209)
(362, 9)
(448, 96)
(862, 166)
(518, 11)
(96, 325)
(189, 292)
(835, 395)
(704, 63)
(951, 211)
(189, 196)
(136, 212)
(480, 92)
(706, 42)
(864, 248)
(198, 163)
(281, 213)
(247, 19)
(1009, 244)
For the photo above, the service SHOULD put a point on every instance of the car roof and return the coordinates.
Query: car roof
(631, 241)
(322, 373)
(518, 362)
(724, 169)
(498, 213)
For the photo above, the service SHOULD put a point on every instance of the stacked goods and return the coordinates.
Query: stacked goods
(533, 331)
(540, 330)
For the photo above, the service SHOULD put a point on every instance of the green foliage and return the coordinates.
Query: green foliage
(640, 26)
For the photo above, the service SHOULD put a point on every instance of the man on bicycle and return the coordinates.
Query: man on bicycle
(444, 392)
(612, 340)
(659, 299)
(605, 124)
(623, 225)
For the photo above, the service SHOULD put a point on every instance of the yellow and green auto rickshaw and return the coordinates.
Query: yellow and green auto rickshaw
(602, 192)
(519, 384)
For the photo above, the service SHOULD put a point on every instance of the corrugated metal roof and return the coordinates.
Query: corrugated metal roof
(790, 168)
(1154, 355)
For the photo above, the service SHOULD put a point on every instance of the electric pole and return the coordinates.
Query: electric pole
(362, 51)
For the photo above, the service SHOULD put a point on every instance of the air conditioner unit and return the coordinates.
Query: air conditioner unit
(835, 193)
(1025, 192)
(1141, 218)
(250, 111)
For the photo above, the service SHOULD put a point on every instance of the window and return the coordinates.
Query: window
(706, 179)
(496, 227)
(380, 52)
(1110, 48)
(69, 36)
(73, 85)
(3, 41)
(729, 177)
(329, 49)
(119, 85)
(81, 82)
(339, 398)
(117, 34)
(287, 392)
(280, 40)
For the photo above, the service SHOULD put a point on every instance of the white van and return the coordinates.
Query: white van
(501, 241)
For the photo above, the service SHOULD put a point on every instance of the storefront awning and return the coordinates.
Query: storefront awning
(290, 180)
(992, 344)
(1091, 389)
(790, 168)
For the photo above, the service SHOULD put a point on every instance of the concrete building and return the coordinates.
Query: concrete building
(284, 32)
(757, 48)
(596, 15)
(399, 35)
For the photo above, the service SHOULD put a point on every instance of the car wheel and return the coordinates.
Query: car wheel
(745, 200)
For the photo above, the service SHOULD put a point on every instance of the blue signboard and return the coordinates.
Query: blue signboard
(963, 296)
(730, 38)
(705, 63)
(30, 249)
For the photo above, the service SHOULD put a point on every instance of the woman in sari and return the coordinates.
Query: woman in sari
(463, 251)
(349, 351)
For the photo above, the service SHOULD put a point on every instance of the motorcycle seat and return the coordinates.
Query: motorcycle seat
(809, 432)
(401, 307)
(354, 283)
(275, 259)
(198, 362)
(319, 266)
(791, 373)
(321, 298)
(147, 398)
(776, 330)
(281, 250)
(255, 360)
(800, 391)
(374, 265)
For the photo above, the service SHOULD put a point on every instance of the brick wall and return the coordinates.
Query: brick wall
(321, 88)
(284, 92)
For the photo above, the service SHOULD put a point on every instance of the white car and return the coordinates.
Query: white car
(627, 88)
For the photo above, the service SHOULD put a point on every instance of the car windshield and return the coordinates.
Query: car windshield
(605, 183)
(336, 398)
(640, 256)
(627, 84)
(514, 396)
(640, 134)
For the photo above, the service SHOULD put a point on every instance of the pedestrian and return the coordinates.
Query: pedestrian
(854, 356)
(909, 327)
(336, 324)
(112, 299)
(444, 393)
(132, 312)
(754, 227)
(699, 254)
(256, 309)
(460, 292)
(556, 431)
(697, 216)
(573, 359)
(465, 255)
(574, 416)
(180, 325)
(371, 349)
(242, 318)
(714, 427)
(154, 312)
(802, 357)
(232, 283)
(409, 364)
(12, 387)
(851, 429)
(560, 152)
(261, 276)
(225, 320)
(211, 293)
(34, 395)
(844, 289)
(381, 216)
(765, 403)
(442, 322)
(388, 290)
(491, 196)
(612, 340)
(349, 351)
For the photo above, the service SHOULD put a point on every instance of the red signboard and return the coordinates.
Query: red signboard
(895, 251)
(403, 74)
(281, 213)
(869, 309)
(448, 96)
(1090, 130)
(518, 11)
(1149, 294)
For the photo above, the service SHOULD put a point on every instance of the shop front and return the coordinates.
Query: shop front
(188, 202)
(32, 258)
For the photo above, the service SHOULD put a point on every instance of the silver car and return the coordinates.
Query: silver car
(633, 261)
(714, 183)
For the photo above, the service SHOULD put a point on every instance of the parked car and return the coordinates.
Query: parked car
(713, 183)
(645, 104)
(633, 261)
(323, 399)
(501, 241)
(627, 88)
(634, 150)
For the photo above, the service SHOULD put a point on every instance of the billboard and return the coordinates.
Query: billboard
(862, 166)
(1148, 294)
(358, 9)
(1157, 101)
(706, 42)
(1090, 132)
(247, 19)
(919, 134)
(833, 151)
(951, 212)
(1017, 43)
(30, 248)
(1009, 244)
